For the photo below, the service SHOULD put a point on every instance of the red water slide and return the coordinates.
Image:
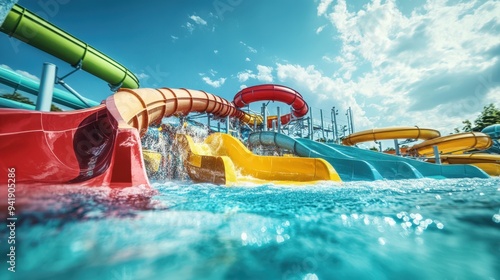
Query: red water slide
(99, 146)
(273, 93)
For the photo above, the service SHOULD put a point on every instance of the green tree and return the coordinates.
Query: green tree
(490, 115)
(467, 126)
(16, 96)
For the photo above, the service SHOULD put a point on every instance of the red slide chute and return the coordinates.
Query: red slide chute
(274, 93)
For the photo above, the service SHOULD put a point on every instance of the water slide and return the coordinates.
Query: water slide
(493, 131)
(20, 82)
(337, 155)
(34, 30)
(271, 92)
(390, 133)
(460, 142)
(427, 169)
(223, 159)
(98, 146)
(349, 168)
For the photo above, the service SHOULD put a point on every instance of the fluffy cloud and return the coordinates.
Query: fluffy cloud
(22, 73)
(323, 6)
(198, 20)
(395, 68)
(320, 29)
(214, 83)
(264, 73)
(245, 75)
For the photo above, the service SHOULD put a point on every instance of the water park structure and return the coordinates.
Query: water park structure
(99, 144)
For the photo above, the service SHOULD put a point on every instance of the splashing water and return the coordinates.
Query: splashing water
(407, 229)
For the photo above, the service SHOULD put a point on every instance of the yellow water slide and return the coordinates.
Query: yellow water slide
(223, 159)
(489, 163)
(460, 142)
(388, 133)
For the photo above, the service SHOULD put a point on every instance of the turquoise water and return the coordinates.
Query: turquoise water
(410, 229)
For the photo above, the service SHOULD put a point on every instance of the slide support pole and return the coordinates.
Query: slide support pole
(436, 154)
(279, 120)
(396, 147)
(46, 90)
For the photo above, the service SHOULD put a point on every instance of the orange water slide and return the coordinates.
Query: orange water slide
(140, 108)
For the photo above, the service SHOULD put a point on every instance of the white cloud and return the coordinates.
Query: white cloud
(323, 6)
(198, 20)
(327, 59)
(216, 51)
(247, 59)
(214, 83)
(190, 27)
(22, 73)
(212, 72)
(441, 59)
(264, 73)
(320, 29)
(174, 38)
(250, 49)
(245, 75)
(142, 76)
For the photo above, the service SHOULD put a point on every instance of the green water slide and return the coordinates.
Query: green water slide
(34, 30)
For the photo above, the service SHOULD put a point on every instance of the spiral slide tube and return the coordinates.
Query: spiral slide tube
(273, 93)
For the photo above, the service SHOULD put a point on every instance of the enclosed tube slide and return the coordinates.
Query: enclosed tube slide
(34, 30)
(19, 82)
(493, 131)
(390, 133)
(141, 107)
(273, 93)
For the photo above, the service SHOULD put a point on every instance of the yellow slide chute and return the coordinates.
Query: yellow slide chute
(404, 132)
(223, 159)
(460, 142)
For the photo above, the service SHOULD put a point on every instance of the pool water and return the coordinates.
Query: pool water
(409, 229)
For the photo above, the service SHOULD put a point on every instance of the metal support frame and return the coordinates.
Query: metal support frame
(47, 82)
(396, 147)
(436, 154)
(264, 113)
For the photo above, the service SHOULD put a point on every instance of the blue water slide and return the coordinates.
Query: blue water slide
(430, 170)
(493, 131)
(19, 82)
(347, 168)
(388, 168)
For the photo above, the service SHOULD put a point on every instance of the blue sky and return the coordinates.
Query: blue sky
(429, 63)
